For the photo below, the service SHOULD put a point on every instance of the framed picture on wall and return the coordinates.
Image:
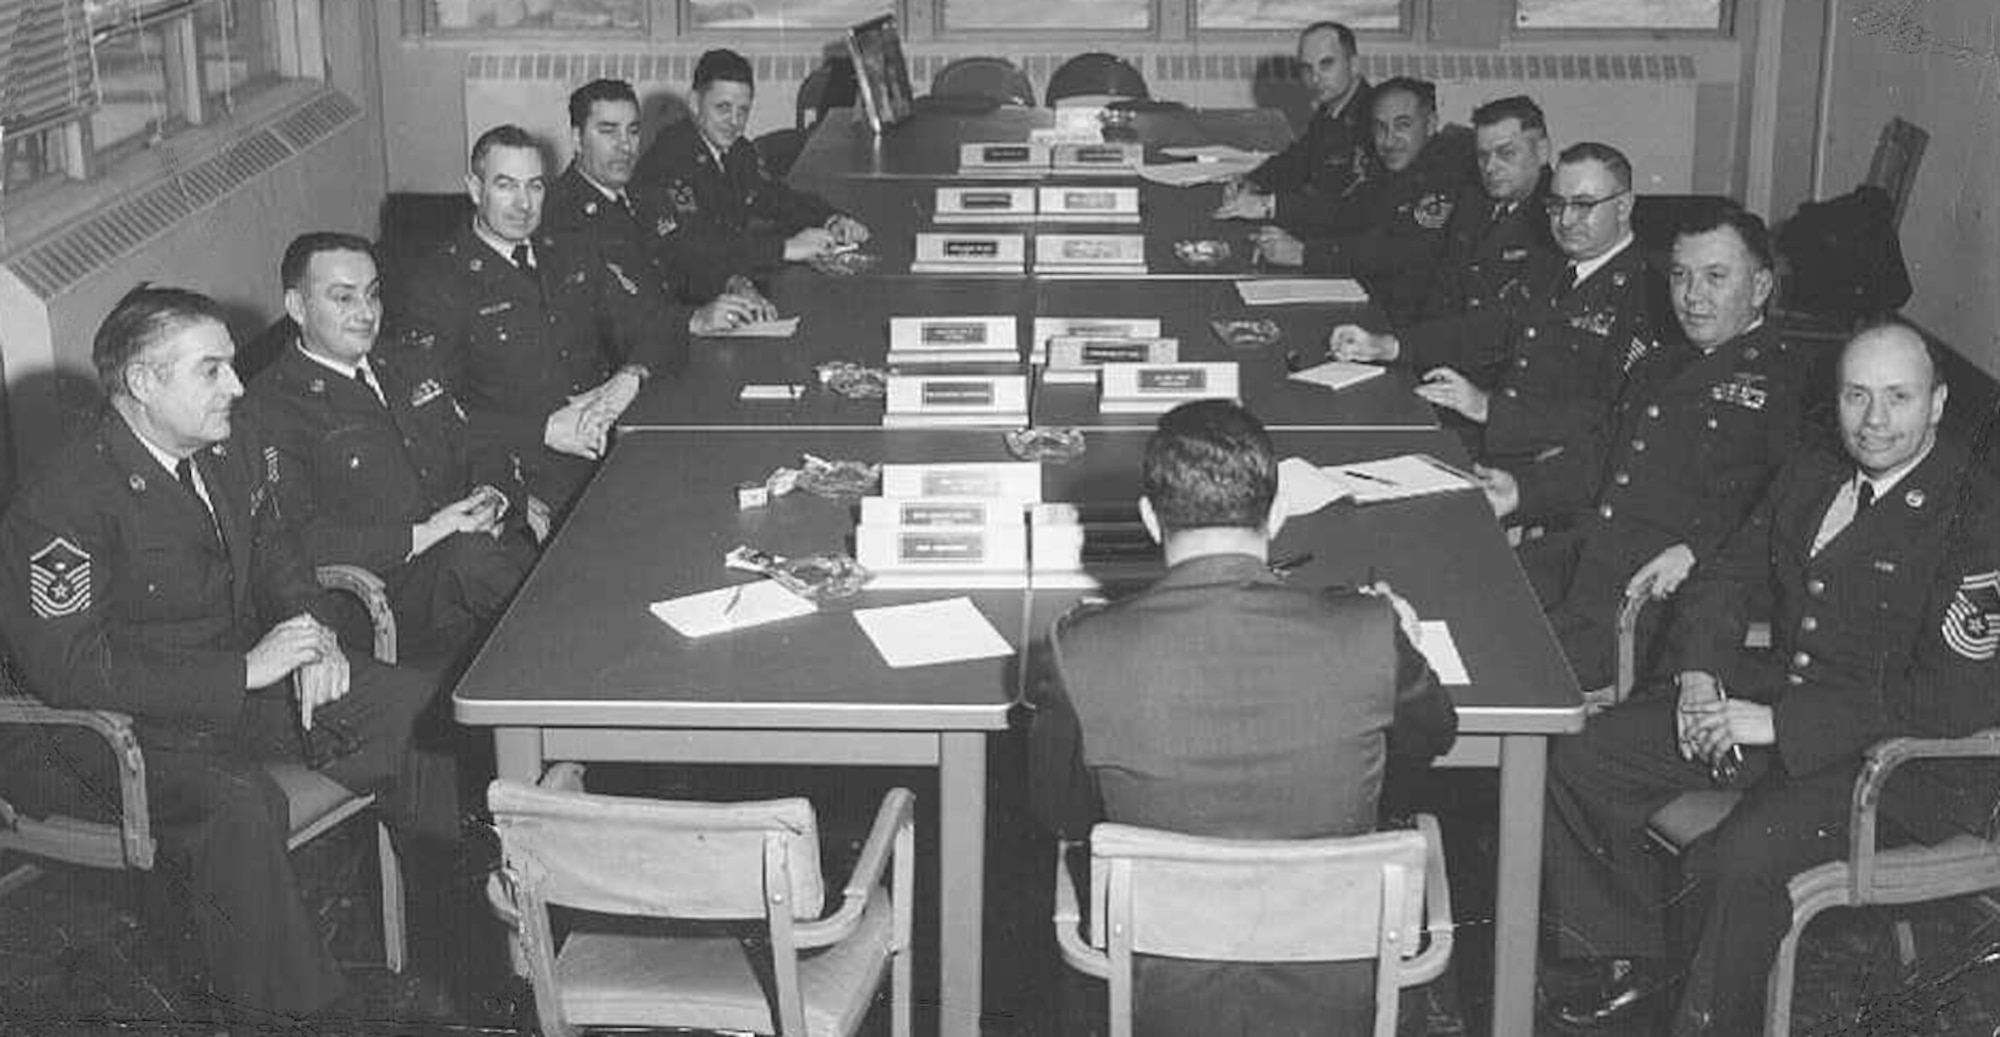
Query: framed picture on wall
(877, 49)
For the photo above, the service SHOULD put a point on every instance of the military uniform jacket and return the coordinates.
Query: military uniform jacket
(351, 475)
(1489, 268)
(1569, 354)
(119, 596)
(513, 347)
(1400, 237)
(712, 221)
(1891, 629)
(1315, 179)
(1690, 449)
(574, 207)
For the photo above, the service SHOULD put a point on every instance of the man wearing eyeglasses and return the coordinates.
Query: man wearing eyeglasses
(1548, 380)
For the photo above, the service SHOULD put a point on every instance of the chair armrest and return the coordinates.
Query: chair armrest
(1069, 921)
(135, 821)
(374, 596)
(1429, 964)
(1881, 760)
(895, 816)
(1628, 645)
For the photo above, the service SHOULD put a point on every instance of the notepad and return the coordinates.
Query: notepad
(931, 632)
(1304, 487)
(1442, 652)
(783, 327)
(1396, 478)
(1337, 374)
(1279, 291)
(731, 608)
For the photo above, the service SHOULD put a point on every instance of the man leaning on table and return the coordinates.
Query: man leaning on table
(1306, 186)
(1223, 701)
(1882, 563)
(595, 199)
(543, 338)
(717, 211)
(1701, 426)
(147, 573)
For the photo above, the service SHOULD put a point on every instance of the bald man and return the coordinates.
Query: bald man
(1883, 561)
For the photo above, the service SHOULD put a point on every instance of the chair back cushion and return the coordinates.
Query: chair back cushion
(1254, 900)
(620, 855)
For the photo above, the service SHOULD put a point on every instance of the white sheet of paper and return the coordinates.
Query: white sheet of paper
(1337, 374)
(1442, 652)
(1394, 478)
(1305, 488)
(1278, 291)
(731, 608)
(782, 327)
(1215, 153)
(931, 632)
(1188, 174)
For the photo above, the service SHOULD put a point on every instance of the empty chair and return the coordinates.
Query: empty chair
(1096, 78)
(996, 79)
(1356, 898)
(698, 865)
(831, 85)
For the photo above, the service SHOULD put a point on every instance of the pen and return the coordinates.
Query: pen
(1291, 562)
(1723, 769)
(734, 597)
(1376, 479)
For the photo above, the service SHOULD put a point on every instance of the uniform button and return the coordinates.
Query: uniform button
(1652, 410)
(1521, 362)
(1622, 478)
(1801, 660)
(1815, 587)
(1794, 679)
(1475, 303)
(1638, 446)
(1711, 423)
(1532, 331)
(1512, 392)
(1809, 624)
(1604, 510)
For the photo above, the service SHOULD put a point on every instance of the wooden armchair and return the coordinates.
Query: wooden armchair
(1868, 875)
(318, 803)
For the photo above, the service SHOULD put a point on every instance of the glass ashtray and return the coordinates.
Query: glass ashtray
(846, 264)
(1203, 253)
(1247, 334)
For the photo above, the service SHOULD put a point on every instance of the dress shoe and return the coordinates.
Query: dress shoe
(1628, 988)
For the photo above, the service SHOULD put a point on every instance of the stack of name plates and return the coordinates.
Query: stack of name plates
(952, 340)
(1158, 388)
(1119, 159)
(1118, 255)
(970, 253)
(1075, 359)
(985, 204)
(1089, 545)
(997, 397)
(949, 525)
(1047, 328)
(1021, 158)
(1085, 204)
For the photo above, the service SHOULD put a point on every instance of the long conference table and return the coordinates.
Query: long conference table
(579, 669)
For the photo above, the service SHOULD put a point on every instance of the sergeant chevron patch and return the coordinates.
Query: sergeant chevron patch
(59, 580)
(1972, 620)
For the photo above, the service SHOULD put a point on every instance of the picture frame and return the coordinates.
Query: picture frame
(882, 72)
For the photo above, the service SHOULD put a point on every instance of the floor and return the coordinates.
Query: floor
(76, 958)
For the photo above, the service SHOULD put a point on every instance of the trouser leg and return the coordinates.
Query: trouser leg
(444, 597)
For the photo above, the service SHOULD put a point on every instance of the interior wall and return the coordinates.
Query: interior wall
(1935, 63)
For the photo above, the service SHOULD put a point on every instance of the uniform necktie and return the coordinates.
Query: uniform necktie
(1569, 280)
(524, 259)
(184, 471)
(361, 376)
(1864, 496)
(1843, 511)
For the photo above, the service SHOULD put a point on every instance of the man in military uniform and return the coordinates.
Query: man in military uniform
(718, 214)
(1882, 564)
(1698, 431)
(543, 339)
(368, 457)
(594, 199)
(147, 574)
(1549, 379)
(1312, 183)
(1392, 237)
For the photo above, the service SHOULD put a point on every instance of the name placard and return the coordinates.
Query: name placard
(891, 552)
(938, 512)
(1087, 204)
(984, 204)
(955, 399)
(969, 252)
(1046, 328)
(1016, 481)
(1090, 253)
(1026, 156)
(1075, 359)
(983, 334)
(1151, 388)
(1114, 158)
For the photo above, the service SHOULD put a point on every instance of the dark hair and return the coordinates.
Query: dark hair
(1613, 160)
(1345, 34)
(1210, 463)
(1727, 214)
(299, 254)
(1423, 90)
(145, 316)
(505, 135)
(1520, 107)
(723, 64)
(589, 94)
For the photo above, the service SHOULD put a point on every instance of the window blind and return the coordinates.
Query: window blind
(47, 74)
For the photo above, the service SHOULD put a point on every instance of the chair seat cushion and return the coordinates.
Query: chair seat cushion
(1692, 816)
(611, 979)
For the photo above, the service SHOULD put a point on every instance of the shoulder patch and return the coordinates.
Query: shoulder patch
(1972, 621)
(59, 579)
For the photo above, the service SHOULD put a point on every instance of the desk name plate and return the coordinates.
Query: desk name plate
(1115, 158)
(1025, 156)
(985, 204)
(1089, 204)
(1046, 328)
(972, 252)
(939, 512)
(1074, 359)
(956, 399)
(1014, 481)
(900, 557)
(1152, 388)
(1090, 253)
(979, 334)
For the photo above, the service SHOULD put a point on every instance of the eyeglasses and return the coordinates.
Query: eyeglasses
(1557, 206)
